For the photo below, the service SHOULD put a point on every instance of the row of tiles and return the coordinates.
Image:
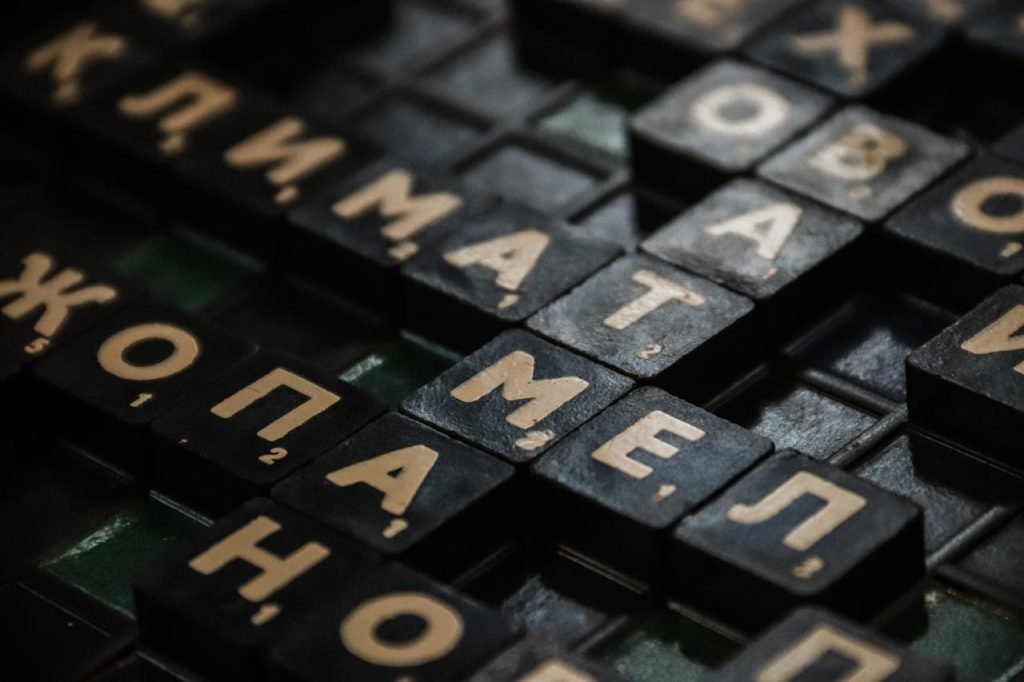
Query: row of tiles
(120, 366)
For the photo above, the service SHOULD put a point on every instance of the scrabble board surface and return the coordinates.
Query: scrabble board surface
(539, 340)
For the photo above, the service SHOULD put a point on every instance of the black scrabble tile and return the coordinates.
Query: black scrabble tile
(60, 66)
(54, 632)
(951, 488)
(517, 396)
(971, 226)
(130, 368)
(142, 132)
(792, 531)
(537, 660)
(254, 426)
(851, 48)
(649, 319)
(863, 162)
(967, 383)
(1012, 145)
(360, 230)
(149, 118)
(993, 566)
(720, 121)
(218, 603)
(813, 644)
(126, 143)
(234, 157)
(398, 486)
(262, 159)
(47, 297)
(498, 269)
(774, 247)
(397, 624)
(619, 481)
